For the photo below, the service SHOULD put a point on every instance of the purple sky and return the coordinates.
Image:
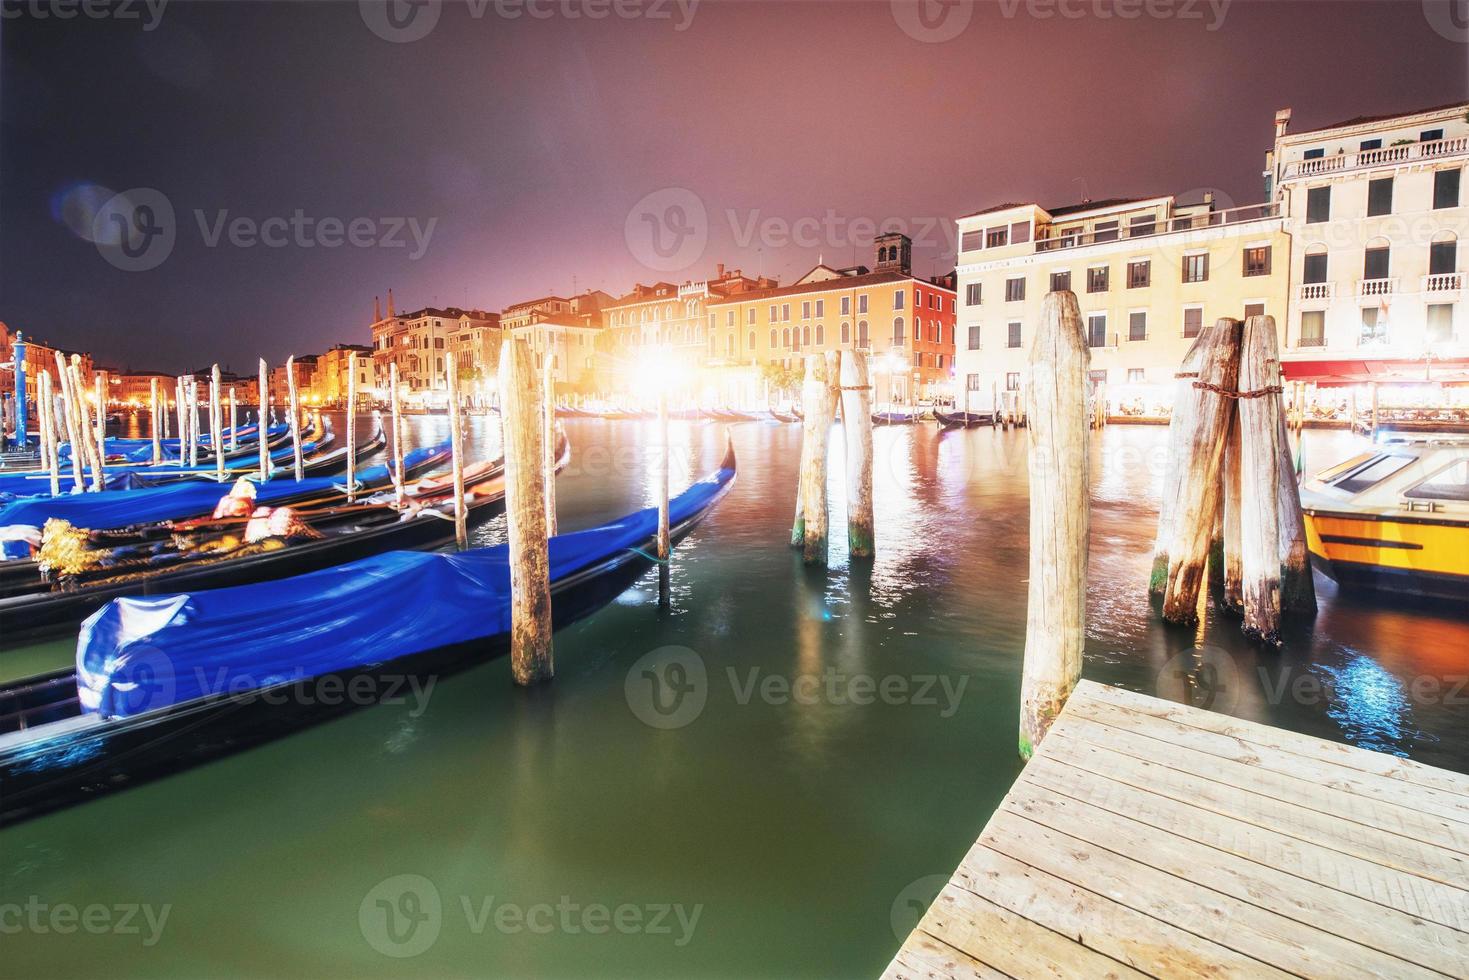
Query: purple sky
(521, 148)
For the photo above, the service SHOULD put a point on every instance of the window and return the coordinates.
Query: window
(820, 335)
(862, 303)
(752, 341)
(805, 336)
(1196, 267)
(846, 306)
(971, 241)
(1366, 145)
(1137, 376)
(1141, 225)
(1315, 268)
(898, 297)
(1020, 233)
(1193, 320)
(806, 310)
(1451, 483)
(898, 335)
(971, 382)
(972, 294)
(974, 336)
(1097, 279)
(785, 311)
(1314, 154)
(750, 316)
(846, 332)
(1060, 281)
(1442, 257)
(1318, 205)
(1012, 381)
(774, 339)
(1139, 274)
(774, 313)
(1137, 326)
(1430, 136)
(995, 237)
(1313, 328)
(1105, 231)
(820, 308)
(1097, 377)
(785, 338)
(1014, 290)
(1440, 323)
(1379, 196)
(1257, 261)
(862, 334)
(1374, 329)
(1446, 188)
(1254, 309)
(1375, 263)
(1096, 330)
(1014, 338)
(1379, 469)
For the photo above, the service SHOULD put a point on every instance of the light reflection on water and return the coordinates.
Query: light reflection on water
(795, 824)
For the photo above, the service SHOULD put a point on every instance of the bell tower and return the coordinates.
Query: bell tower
(894, 253)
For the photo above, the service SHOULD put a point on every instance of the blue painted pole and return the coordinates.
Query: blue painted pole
(20, 391)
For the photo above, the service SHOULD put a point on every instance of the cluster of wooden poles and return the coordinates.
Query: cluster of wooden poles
(835, 379)
(1230, 499)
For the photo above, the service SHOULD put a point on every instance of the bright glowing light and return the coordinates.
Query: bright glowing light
(655, 368)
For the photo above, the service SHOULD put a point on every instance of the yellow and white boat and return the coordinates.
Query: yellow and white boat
(1394, 518)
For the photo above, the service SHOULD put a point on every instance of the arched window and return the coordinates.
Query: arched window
(712, 341)
(862, 334)
(899, 338)
(785, 337)
(773, 339)
(846, 332)
(729, 345)
(752, 341)
(805, 336)
(820, 335)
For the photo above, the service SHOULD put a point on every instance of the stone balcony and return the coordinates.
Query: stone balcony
(1386, 156)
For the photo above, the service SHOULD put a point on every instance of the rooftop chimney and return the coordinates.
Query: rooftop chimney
(377, 310)
(1282, 122)
(719, 271)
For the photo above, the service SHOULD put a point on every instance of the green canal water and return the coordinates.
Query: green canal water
(822, 751)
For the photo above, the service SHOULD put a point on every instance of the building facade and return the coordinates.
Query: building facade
(1147, 274)
(1376, 212)
(905, 322)
(329, 384)
(420, 342)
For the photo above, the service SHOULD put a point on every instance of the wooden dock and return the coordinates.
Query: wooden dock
(1148, 838)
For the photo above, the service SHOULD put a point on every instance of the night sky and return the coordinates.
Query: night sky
(520, 149)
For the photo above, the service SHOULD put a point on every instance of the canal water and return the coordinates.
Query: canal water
(770, 777)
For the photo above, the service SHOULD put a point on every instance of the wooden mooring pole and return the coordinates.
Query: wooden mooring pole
(216, 424)
(1060, 517)
(99, 392)
(1297, 584)
(1198, 452)
(456, 443)
(857, 430)
(295, 420)
(154, 420)
(352, 426)
(262, 421)
(1185, 403)
(400, 492)
(68, 413)
(1231, 569)
(234, 420)
(49, 435)
(548, 437)
(821, 383)
(193, 388)
(665, 547)
(531, 656)
(178, 405)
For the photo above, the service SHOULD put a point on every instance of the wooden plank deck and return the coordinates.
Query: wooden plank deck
(1148, 838)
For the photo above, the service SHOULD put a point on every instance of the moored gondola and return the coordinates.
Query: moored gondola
(200, 675)
(892, 418)
(963, 420)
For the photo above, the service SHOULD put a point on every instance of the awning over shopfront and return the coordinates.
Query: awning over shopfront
(1338, 371)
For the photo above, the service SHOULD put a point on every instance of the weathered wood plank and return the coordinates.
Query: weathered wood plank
(1392, 871)
(1255, 733)
(1428, 944)
(925, 958)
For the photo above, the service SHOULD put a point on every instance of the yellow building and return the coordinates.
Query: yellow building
(329, 384)
(1147, 274)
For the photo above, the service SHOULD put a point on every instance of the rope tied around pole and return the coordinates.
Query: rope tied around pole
(855, 388)
(1226, 393)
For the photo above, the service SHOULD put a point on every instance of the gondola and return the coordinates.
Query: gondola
(145, 565)
(892, 418)
(335, 461)
(782, 416)
(963, 420)
(134, 708)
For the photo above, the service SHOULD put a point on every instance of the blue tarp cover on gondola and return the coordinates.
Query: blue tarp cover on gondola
(178, 501)
(141, 450)
(140, 654)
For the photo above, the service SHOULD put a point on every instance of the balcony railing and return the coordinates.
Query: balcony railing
(1451, 282)
(1376, 287)
(1381, 157)
(1318, 290)
(1151, 229)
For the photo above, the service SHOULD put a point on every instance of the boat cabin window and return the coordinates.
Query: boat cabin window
(1451, 483)
(1374, 472)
